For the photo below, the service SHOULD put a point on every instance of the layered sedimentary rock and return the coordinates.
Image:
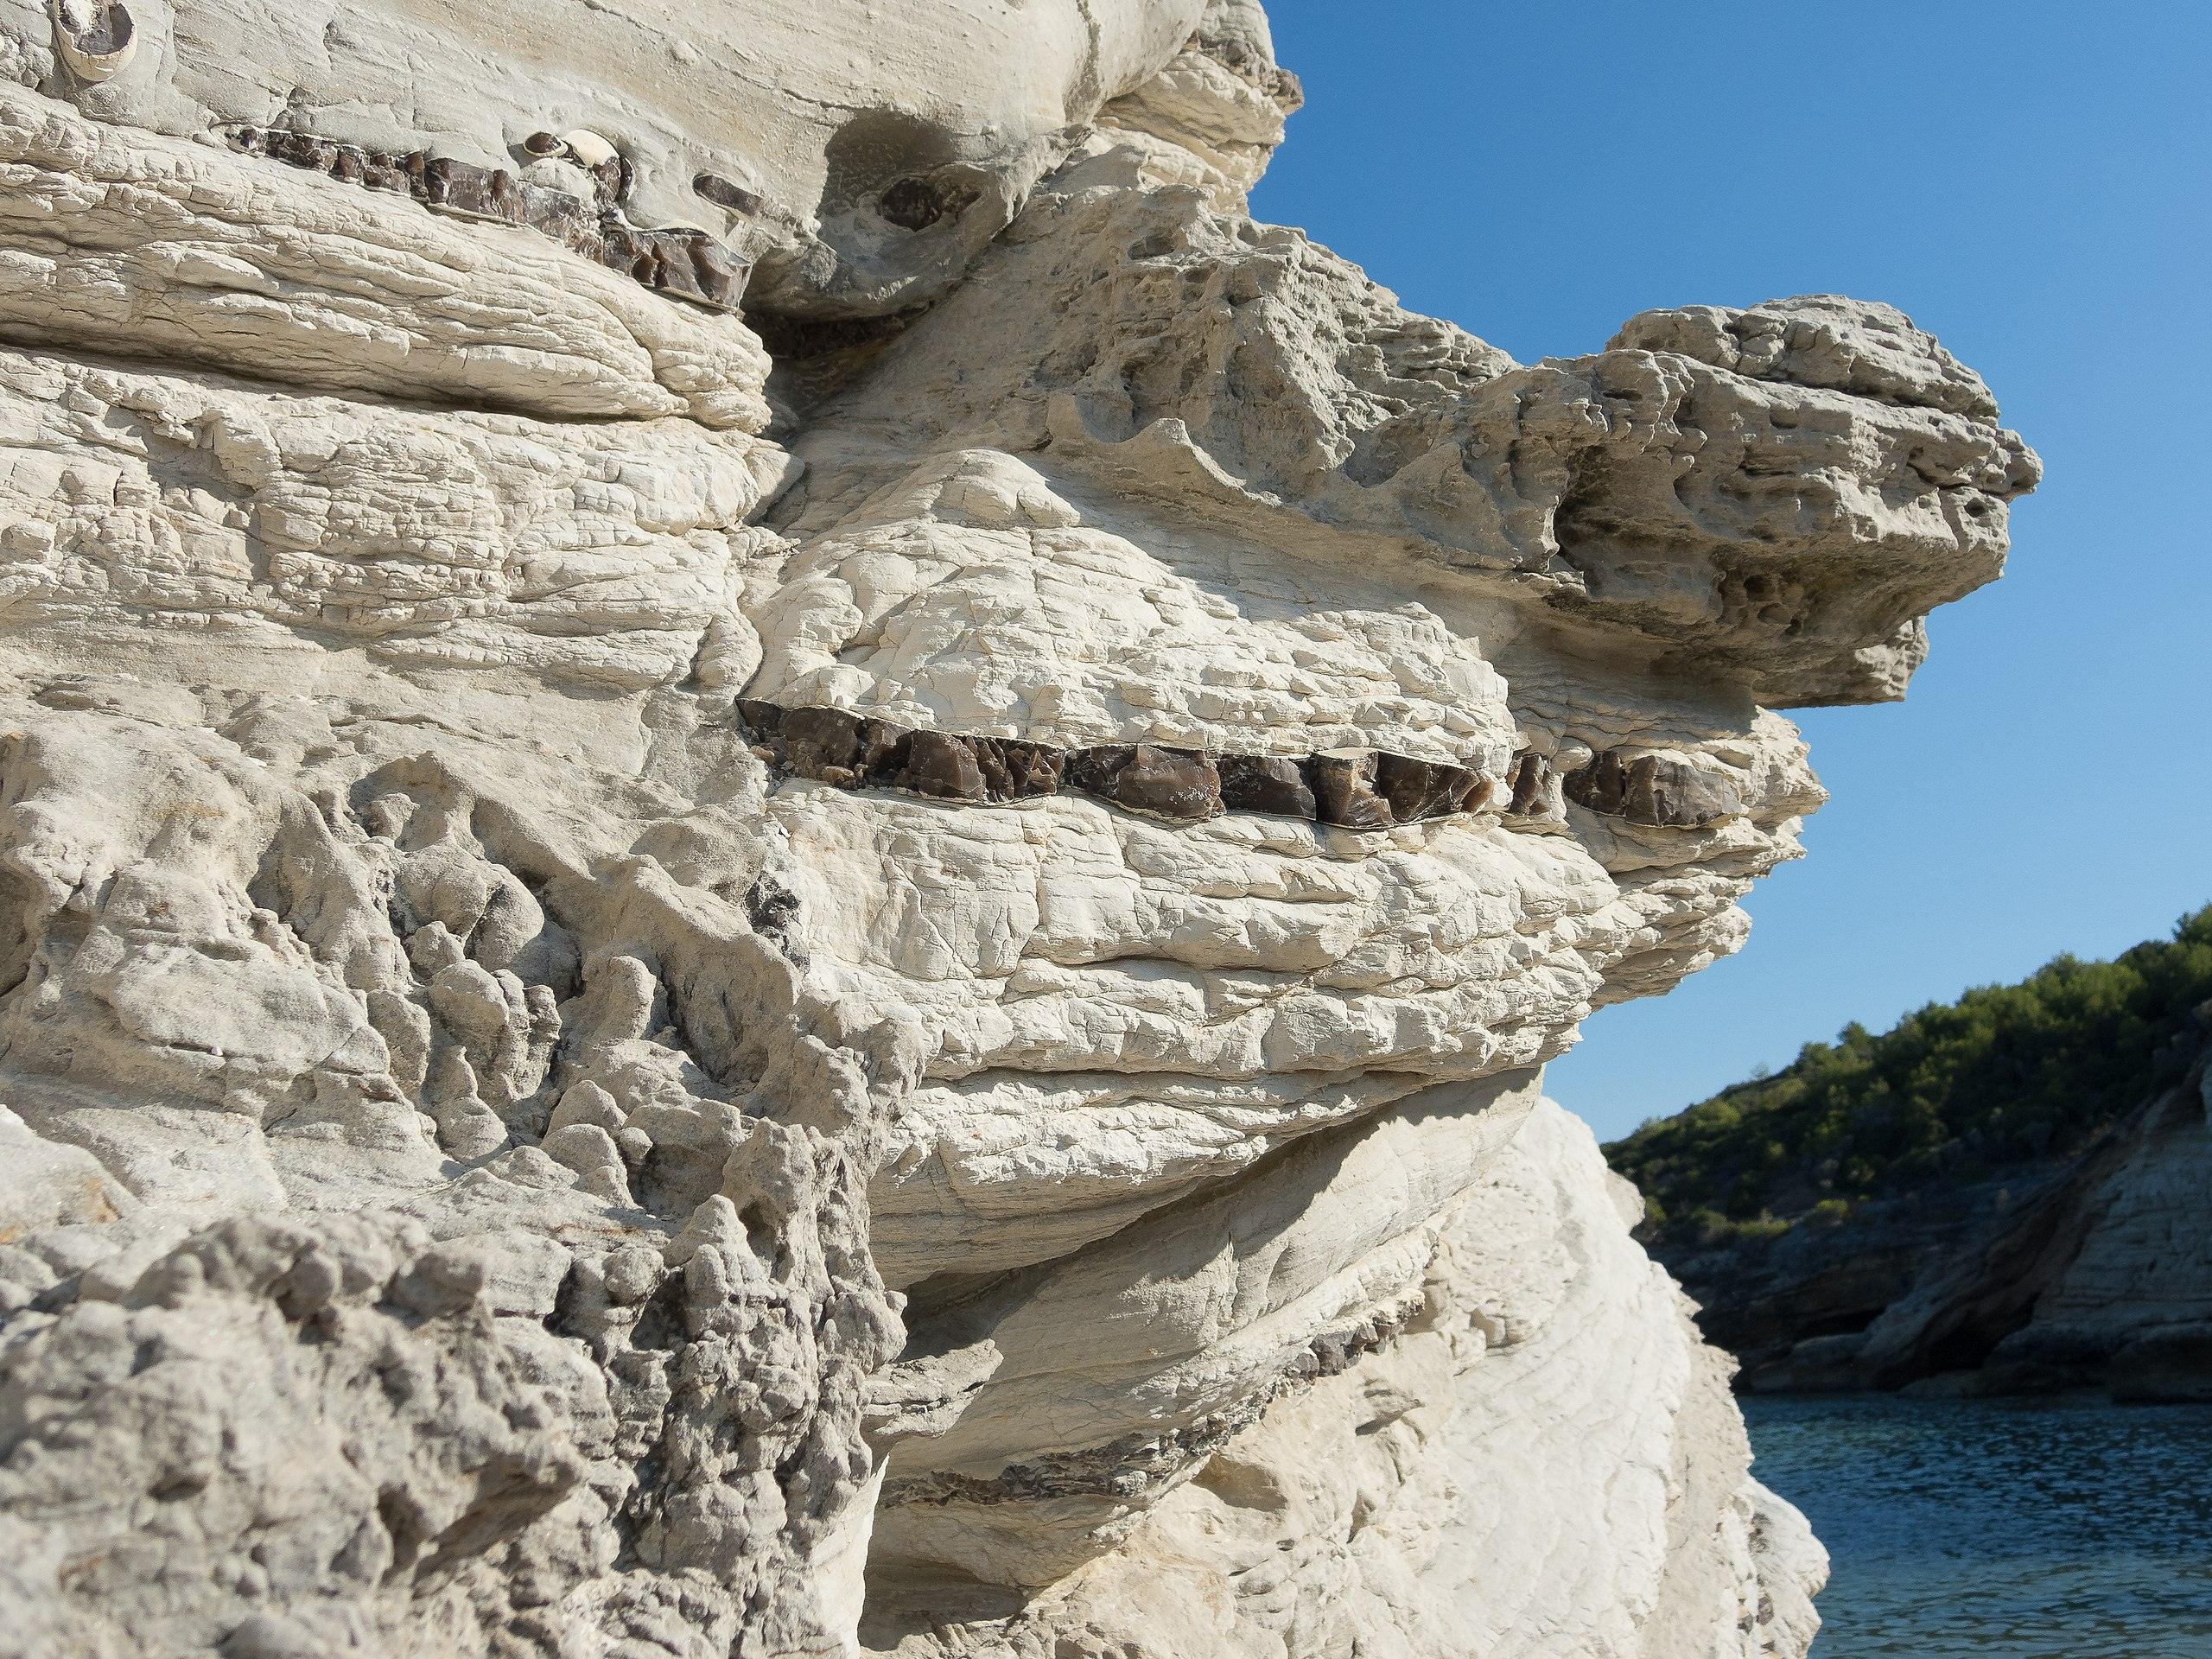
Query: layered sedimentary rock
(687, 971)
(2090, 1271)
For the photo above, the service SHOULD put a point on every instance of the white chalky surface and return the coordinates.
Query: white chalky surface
(490, 1166)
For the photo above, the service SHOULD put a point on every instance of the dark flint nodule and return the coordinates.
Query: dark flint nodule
(824, 743)
(764, 719)
(942, 765)
(885, 751)
(377, 170)
(725, 193)
(1649, 789)
(497, 197)
(1343, 789)
(1531, 773)
(1014, 770)
(1351, 789)
(911, 204)
(1427, 789)
(1265, 782)
(833, 746)
(685, 265)
(1183, 784)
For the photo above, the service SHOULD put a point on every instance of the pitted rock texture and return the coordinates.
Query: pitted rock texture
(869, 973)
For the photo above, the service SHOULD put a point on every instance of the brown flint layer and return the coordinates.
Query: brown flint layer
(1352, 789)
(686, 264)
(1649, 789)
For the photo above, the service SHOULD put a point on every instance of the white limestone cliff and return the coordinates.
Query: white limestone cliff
(785, 852)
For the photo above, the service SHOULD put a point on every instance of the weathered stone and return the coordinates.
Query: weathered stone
(1016, 771)
(1265, 782)
(943, 766)
(1424, 789)
(489, 1089)
(95, 38)
(1344, 791)
(686, 263)
(2089, 1270)
(1652, 789)
(1180, 784)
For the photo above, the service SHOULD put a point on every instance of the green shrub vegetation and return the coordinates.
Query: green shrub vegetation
(1956, 1092)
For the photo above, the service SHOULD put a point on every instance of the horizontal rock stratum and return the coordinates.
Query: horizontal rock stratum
(1999, 1195)
(785, 852)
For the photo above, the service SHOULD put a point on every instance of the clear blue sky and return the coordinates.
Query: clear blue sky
(2029, 181)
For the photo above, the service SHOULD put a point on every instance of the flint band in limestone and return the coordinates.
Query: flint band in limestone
(687, 264)
(1354, 789)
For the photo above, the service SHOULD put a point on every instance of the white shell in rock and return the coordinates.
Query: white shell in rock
(588, 148)
(97, 49)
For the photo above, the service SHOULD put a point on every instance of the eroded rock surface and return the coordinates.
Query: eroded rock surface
(2090, 1271)
(684, 983)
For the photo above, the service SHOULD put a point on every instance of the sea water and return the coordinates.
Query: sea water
(2000, 1530)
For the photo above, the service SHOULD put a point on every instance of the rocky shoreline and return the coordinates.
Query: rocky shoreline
(2090, 1271)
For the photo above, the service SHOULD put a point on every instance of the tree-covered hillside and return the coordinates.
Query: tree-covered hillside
(1957, 1090)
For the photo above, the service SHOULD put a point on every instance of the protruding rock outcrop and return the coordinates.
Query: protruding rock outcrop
(684, 981)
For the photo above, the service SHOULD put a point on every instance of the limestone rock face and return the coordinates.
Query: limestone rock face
(785, 853)
(2090, 1271)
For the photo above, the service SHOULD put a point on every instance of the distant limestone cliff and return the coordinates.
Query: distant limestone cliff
(2003, 1194)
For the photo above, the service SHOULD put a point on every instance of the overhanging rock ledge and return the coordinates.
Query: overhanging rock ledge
(785, 852)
